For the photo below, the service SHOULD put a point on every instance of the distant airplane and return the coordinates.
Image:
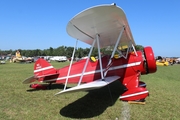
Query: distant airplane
(101, 26)
(19, 58)
(161, 61)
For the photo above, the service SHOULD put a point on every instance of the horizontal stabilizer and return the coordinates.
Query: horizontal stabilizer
(91, 85)
(29, 80)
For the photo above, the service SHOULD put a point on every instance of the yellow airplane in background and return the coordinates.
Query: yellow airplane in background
(161, 61)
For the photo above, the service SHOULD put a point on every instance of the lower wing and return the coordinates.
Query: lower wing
(91, 85)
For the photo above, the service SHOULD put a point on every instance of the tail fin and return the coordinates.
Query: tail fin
(42, 68)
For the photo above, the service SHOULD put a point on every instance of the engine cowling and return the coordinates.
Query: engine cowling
(150, 61)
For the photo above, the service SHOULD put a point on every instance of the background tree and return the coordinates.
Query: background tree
(69, 52)
(62, 51)
(51, 51)
(139, 47)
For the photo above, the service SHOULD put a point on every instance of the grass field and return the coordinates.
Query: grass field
(19, 102)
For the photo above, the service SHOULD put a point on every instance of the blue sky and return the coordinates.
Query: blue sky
(40, 24)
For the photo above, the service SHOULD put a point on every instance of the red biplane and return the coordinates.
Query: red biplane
(101, 27)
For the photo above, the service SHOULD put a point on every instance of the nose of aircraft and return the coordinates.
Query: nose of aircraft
(150, 60)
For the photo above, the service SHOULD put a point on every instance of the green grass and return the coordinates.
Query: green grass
(19, 102)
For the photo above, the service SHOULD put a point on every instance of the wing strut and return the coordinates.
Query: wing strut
(134, 49)
(85, 66)
(129, 49)
(100, 61)
(70, 65)
(114, 50)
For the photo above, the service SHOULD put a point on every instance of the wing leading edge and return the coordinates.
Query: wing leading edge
(91, 85)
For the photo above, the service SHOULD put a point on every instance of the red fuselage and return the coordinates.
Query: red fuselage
(125, 68)
(128, 69)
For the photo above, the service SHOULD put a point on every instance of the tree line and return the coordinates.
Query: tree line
(60, 51)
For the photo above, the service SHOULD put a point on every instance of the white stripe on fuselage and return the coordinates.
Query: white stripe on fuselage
(130, 95)
(96, 71)
(41, 69)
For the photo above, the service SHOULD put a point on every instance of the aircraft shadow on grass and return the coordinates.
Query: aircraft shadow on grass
(94, 103)
(53, 86)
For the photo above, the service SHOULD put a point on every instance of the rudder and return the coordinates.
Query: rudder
(43, 68)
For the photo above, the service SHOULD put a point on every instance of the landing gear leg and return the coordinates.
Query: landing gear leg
(49, 86)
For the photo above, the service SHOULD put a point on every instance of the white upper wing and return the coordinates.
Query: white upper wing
(105, 20)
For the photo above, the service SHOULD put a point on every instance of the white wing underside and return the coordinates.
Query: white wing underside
(91, 85)
(105, 20)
